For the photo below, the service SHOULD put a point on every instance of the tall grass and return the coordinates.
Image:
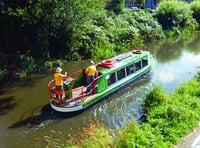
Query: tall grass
(95, 135)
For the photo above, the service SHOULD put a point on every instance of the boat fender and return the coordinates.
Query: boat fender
(107, 62)
(137, 51)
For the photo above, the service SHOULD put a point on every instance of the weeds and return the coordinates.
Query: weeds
(93, 136)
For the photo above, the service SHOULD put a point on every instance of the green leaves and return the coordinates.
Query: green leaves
(195, 7)
(173, 13)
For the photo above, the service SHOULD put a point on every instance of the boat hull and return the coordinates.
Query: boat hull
(66, 109)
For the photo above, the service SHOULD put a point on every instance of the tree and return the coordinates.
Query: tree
(57, 23)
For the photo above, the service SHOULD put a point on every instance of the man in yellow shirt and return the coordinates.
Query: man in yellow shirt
(91, 72)
(59, 80)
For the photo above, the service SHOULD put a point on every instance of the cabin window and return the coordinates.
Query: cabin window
(121, 74)
(138, 65)
(145, 61)
(130, 69)
(111, 79)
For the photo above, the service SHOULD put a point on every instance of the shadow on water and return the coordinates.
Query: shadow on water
(7, 104)
(47, 114)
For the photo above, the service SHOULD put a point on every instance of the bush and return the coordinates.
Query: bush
(131, 28)
(147, 25)
(2, 75)
(173, 14)
(28, 64)
(116, 6)
(131, 136)
(155, 98)
(195, 7)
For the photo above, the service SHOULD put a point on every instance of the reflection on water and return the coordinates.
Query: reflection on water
(7, 104)
(26, 116)
(169, 75)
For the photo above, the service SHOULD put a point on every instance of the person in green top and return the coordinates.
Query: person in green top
(91, 72)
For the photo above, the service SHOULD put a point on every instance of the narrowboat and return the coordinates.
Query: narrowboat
(113, 74)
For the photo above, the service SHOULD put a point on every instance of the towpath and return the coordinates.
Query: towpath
(190, 141)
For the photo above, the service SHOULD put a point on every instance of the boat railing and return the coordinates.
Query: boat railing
(69, 95)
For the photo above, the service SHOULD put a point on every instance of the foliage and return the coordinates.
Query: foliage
(144, 24)
(173, 14)
(105, 51)
(131, 137)
(155, 98)
(93, 136)
(57, 23)
(72, 30)
(116, 6)
(91, 38)
(130, 29)
(195, 7)
(140, 3)
(1, 75)
(28, 64)
(117, 33)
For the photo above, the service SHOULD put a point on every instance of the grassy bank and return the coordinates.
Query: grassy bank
(168, 119)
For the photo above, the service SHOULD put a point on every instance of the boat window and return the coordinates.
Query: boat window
(138, 65)
(111, 79)
(130, 69)
(144, 61)
(121, 74)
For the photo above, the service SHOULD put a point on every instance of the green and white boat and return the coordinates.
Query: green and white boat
(113, 74)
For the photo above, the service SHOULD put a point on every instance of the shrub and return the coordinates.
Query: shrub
(116, 6)
(130, 29)
(131, 136)
(28, 64)
(155, 98)
(1, 74)
(103, 51)
(195, 7)
(143, 24)
(191, 87)
(173, 14)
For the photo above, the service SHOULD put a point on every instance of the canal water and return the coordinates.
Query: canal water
(26, 117)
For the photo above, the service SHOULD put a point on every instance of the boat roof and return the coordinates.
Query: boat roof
(120, 61)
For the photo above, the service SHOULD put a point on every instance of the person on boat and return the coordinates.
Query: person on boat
(59, 80)
(91, 72)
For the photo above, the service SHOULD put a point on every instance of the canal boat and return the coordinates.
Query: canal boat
(113, 74)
